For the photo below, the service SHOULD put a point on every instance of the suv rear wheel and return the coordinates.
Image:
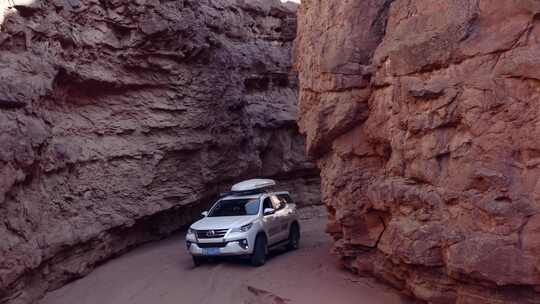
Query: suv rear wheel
(258, 258)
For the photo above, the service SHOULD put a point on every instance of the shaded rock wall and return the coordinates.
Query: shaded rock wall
(423, 116)
(121, 120)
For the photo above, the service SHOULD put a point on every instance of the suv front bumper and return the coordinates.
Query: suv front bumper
(231, 248)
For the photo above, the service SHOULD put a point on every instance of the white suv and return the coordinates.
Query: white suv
(247, 221)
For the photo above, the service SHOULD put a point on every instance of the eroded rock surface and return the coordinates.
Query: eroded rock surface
(423, 117)
(120, 120)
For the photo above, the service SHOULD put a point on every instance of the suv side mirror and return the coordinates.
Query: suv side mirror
(204, 213)
(268, 211)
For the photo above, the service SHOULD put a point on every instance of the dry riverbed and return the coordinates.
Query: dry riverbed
(162, 272)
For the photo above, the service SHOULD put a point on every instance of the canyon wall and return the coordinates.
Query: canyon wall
(121, 120)
(423, 116)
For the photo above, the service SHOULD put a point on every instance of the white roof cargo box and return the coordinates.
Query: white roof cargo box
(253, 184)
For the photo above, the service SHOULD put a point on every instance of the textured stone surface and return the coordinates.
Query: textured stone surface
(423, 118)
(121, 120)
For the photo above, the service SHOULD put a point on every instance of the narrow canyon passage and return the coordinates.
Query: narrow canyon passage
(162, 272)
(414, 122)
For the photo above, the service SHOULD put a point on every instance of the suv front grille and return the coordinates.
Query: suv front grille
(211, 245)
(211, 234)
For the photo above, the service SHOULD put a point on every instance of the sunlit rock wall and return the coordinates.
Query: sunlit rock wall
(423, 117)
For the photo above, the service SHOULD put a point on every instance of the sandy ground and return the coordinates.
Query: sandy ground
(162, 272)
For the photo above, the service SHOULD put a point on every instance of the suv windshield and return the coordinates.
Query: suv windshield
(235, 207)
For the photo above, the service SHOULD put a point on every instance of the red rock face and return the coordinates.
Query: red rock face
(423, 118)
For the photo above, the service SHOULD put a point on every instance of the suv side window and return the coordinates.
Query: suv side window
(277, 202)
(285, 198)
(267, 203)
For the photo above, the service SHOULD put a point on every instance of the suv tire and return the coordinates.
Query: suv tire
(258, 258)
(294, 237)
(198, 261)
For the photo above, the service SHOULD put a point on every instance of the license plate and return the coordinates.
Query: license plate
(211, 251)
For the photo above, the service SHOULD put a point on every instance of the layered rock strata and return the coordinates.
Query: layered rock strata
(423, 116)
(121, 120)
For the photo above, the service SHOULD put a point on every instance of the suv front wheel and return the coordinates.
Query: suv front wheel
(258, 258)
(198, 261)
(294, 237)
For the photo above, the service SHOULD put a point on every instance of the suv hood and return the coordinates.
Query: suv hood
(222, 222)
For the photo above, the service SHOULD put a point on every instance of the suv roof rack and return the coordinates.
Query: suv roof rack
(243, 193)
(253, 184)
(250, 187)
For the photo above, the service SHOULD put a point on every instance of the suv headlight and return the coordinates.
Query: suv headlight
(244, 228)
(190, 233)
